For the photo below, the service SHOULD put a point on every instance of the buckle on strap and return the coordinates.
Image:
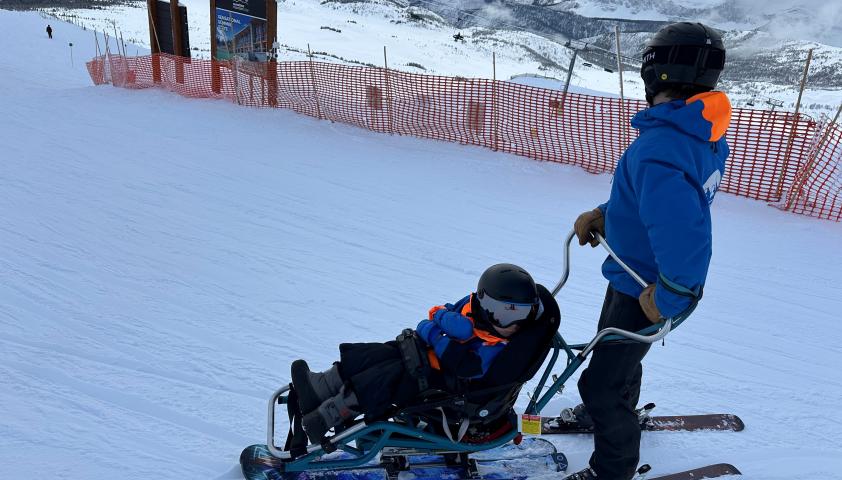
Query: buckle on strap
(414, 359)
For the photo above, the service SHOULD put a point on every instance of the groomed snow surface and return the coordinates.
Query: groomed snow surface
(165, 259)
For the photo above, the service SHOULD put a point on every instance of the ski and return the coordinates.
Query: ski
(509, 462)
(709, 471)
(651, 423)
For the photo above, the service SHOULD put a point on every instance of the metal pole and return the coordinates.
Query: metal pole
(570, 72)
(567, 81)
(71, 55)
(788, 152)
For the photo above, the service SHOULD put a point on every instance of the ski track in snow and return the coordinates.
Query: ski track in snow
(165, 259)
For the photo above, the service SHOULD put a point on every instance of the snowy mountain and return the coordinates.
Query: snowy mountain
(165, 259)
(529, 37)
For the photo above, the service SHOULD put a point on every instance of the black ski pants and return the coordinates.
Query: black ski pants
(377, 374)
(610, 388)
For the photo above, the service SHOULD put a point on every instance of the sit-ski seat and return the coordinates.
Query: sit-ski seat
(480, 410)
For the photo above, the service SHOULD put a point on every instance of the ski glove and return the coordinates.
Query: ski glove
(592, 221)
(647, 303)
(433, 336)
(454, 324)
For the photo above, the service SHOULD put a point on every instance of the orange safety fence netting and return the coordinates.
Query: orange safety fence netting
(793, 163)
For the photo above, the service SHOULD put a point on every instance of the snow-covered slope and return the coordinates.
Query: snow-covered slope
(165, 259)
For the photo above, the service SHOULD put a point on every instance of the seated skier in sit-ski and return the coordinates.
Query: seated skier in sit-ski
(460, 340)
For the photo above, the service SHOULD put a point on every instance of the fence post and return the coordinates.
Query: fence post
(106, 64)
(801, 179)
(623, 126)
(151, 10)
(388, 94)
(788, 152)
(313, 81)
(569, 76)
(494, 113)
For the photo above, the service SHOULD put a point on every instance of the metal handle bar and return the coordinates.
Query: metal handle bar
(654, 337)
(628, 269)
(566, 273)
(627, 334)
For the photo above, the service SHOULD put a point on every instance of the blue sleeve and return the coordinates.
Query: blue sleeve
(454, 324)
(433, 336)
(602, 208)
(679, 232)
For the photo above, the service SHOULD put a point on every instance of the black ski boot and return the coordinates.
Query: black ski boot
(314, 388)
(586, 474)
(333, 412)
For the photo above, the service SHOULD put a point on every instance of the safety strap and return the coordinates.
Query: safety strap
(463, 427)
(297, 442)
(693, 295)
(414, 360)
(679, 289)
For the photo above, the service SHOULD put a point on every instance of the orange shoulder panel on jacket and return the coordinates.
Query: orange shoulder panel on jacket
(716, 110)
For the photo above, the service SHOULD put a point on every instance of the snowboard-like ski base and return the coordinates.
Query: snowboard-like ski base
(534, 456)
(709, 471)
(674, 423)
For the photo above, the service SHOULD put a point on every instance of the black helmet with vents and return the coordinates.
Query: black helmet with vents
(684, 56)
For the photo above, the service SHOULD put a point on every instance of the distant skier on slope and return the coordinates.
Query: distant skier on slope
(49, 31)
(657, 219)
(456, 344)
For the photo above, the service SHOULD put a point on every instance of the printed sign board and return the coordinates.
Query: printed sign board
(241, 30)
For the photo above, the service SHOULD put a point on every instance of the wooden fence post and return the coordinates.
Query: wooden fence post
(791, 140)
(802, 178)
(494, 113)
(388, 94)
(313, 81)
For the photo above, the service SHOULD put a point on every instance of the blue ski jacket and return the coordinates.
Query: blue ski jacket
(657, 218)
(457, 346)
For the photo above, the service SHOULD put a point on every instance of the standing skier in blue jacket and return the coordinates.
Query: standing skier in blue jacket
(657, 219)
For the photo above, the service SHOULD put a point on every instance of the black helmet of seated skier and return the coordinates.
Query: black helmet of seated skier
(507, 295)
(683, 57)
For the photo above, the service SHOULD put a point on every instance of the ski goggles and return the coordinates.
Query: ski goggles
(506, 314)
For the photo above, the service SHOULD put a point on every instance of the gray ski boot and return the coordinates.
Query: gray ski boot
(314, 388)
(333, 412)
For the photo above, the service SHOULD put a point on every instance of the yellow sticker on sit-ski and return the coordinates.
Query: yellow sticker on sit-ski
(530, 424)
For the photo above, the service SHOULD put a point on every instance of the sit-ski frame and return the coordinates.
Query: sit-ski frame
(405, 440)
